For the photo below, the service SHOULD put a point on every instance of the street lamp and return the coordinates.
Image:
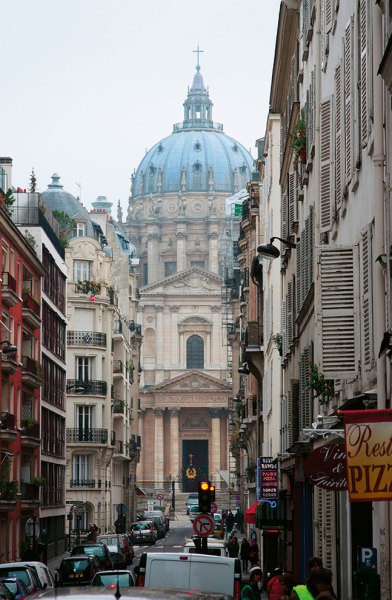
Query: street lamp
(269, 251)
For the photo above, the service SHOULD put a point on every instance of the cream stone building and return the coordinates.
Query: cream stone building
(177, 219)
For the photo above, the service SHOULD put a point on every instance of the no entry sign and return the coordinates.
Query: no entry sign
(203, 525)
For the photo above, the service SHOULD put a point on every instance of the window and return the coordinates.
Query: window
(145, 273)
(194, 352)
(198, 263)
(81, 270)
(80, 229)
(170, 268)
(81, 467)
(84, 368)
(84, 416)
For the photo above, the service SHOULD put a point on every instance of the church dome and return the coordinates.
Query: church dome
(197, 157)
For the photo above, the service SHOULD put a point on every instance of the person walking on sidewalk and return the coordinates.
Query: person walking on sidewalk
(252, 591)
(233, 547)
(244, 554)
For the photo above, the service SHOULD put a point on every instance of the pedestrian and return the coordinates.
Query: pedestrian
(244, 554)
(229, 521)
(318, 586)
(252, 589)
(233, 547)
(239, 520)
(277, 587)
(253, 552)
(224, 516)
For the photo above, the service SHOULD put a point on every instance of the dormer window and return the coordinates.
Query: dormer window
(80, 229)
(197, 167)
(197, 146)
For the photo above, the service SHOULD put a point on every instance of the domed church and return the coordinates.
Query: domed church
(178, 220)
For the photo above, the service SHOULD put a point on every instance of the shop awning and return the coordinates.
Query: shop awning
(250, 514)
(140, 492)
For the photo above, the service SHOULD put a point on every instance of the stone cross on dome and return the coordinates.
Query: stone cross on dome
(198, 57)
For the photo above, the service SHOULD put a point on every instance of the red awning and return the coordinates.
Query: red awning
(250, 513)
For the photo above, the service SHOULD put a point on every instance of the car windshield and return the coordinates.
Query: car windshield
(123, 579)
(113, 548)
(140, 526)
(94, 550)
(21, 574)
(77, 565)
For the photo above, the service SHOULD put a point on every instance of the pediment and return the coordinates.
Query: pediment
(191, 281)
(192, 381)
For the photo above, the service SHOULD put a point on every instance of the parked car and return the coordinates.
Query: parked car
(193, 500)
(43, 573)
(158, 520)
(122, 541)
(194, 512)
(16, 587)
(118, 557)
(5, 594)
(101, 551)
(111, 579)
(143, 532)
(78, 570)
(22, 572)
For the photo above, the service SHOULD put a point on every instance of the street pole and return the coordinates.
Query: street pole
(173, 495)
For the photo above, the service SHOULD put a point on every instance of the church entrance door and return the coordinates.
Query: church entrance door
(194, 463)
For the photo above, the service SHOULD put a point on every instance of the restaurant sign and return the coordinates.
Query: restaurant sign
(267, 478)
(368, 435)
(326, 467)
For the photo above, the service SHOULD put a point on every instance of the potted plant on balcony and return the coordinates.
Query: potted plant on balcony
(298, 138)
(323, 389)
(39, 481)
(29, 423)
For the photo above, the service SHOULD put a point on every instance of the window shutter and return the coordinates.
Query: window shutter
(338, 281)
(367, 307)
(290, 318)
(284, 222)
(348, 98)
(326, 165)
(363, 23)
(324, 542)
(305, 395)
(284, 329)
(293, 202)
(338, 138)
(299, 278)
(291, 412)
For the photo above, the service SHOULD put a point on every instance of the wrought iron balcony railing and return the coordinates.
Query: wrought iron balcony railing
(90, 483)
(92, 435)
(86, 338)
(93, 387)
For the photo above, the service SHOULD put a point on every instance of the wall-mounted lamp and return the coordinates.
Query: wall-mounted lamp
(244, 370)
(382, 259)
(269, 251)
(9, 348)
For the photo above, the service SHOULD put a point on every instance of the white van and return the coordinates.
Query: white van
(214, 547)
(189, 571)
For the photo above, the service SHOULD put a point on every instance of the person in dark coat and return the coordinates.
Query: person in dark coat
(253, 553)
(233, 547)
(244, 554)
(229, 521)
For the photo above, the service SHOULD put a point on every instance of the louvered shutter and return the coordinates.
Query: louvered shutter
(324, 539)
(339, 312)
(299, 278)
(290, 316)
(348, 98)
(363, 17)
(293, 202)
(305, 396)
(284, 217)
(294, 413)
(367, 307)
(284, 329)
(326, 165)
(338, 138)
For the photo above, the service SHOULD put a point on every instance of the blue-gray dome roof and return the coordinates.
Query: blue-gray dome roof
(197, 157)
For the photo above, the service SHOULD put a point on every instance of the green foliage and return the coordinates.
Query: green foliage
(30, 238)
(298, 138)
(323, 389)
(67, 224)
(9, 201)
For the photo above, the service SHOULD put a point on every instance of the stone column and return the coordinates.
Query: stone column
(174, 345)
(153, 254)
(213, 240)
(158, 446)
(141, 465)
(215, 452)
(181, 236)
(174, 445)
(160, 337)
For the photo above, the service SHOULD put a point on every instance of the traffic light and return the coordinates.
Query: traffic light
(204, 497)
(212, 493)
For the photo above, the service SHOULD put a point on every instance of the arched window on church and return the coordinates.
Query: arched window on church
(195, 352)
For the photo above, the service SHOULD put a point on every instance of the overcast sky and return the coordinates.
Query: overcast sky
(89, 85)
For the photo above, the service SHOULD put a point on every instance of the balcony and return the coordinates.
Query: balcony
(118, 367)
(31, 433)
(10, 296)
(8, 491)
(82, 483)
(117, 329)
(86, 338)
(31, 311)
(254, 336)
(89, 388)
(118, 407)
(31, 372)
(8, 431)
(30, 495)
(87, 436)
(9, 364)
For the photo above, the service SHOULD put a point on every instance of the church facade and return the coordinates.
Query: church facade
(179, 223)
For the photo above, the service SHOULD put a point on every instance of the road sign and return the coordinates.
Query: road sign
(160, 496)
(203, 525)
(214, 507)
(32, 528)
(75, 502)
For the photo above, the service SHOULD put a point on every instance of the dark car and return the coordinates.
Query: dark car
(101, 551)
(16, 587)
(118, 557)
(110, 579)
(78, 570)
